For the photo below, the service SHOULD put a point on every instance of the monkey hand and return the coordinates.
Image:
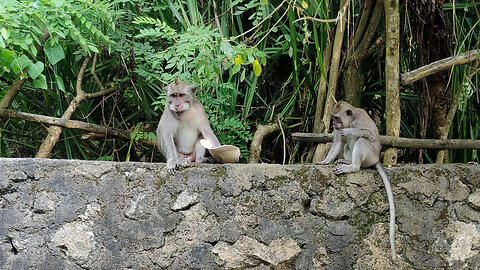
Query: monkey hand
(346, 132)
(174, 163)
(323, 162)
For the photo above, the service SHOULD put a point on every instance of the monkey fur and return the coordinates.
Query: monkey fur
(182, 125)
(358, 135)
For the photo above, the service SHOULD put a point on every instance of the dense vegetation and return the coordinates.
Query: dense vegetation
(255, 62)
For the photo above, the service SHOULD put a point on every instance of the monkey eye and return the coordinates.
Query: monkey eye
(349, 112)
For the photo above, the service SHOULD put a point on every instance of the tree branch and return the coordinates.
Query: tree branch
(11, 93)
(94, 66)
(217, 21)
(54, 132)
(74, 124)
(397, 141)
(440, 65)
(260, 134)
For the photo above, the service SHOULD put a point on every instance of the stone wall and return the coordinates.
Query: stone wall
(64, 214)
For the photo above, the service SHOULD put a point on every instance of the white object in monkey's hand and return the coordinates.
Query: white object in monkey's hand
(222, 153)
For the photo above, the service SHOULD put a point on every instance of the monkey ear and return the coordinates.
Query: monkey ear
(193, 88)
(349, 112)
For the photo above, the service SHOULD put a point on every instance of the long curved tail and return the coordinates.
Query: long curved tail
(391, 203)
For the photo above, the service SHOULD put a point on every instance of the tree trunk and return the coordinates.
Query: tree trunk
(318, 124)
(359, 50)
(332, 80)
(392, 75)
(437, 47)
(429, 25)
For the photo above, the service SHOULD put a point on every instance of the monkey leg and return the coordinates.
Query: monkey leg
(363, 155)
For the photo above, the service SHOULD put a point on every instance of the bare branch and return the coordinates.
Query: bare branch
(67, 123)
(440, 65)
(217, 21)
(340, 15)
(397, 141)
(260, 134)
(94, 66)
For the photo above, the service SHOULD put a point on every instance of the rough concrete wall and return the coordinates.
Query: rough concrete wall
(63, 214)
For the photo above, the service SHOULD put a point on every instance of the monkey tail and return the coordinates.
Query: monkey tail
(388, 188)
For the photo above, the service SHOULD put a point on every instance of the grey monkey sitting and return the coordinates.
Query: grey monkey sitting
(357, 135)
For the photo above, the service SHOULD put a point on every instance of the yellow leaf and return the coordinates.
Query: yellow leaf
(257, 68)
(304, 4)
(238, 60)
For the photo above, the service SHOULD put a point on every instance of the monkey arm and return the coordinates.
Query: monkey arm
(167, 145)
(337, 146)
(358, 132)
(168, 149)
(207, 133)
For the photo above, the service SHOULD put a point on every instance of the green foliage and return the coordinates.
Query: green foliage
(136, 135)
(252, 60)
(29, 26)
(198, 54)
(229, 128)
(46, 42)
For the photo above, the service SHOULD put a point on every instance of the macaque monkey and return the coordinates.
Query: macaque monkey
(358, 135)
(182, 125)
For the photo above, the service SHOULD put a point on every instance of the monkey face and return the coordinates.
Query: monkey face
(342, 115)
(179, 96)
(337, 123)
(178, 102)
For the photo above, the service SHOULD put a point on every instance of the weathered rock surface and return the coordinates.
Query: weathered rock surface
(66, 214)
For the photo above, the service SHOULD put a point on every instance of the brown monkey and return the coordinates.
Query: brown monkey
(182, 125)
(356, 132)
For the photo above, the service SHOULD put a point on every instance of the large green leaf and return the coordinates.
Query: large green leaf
(60, 83)
(227, 49)
(34, 70)
(5, 33)
(40, 82)
(20, 63)
(6, 57)
(54, 54)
